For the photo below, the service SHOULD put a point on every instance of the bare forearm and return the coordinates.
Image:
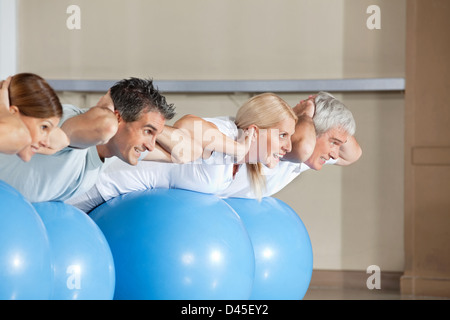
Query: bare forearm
(349, 152)
(207, 138)
(303, 140)
(58, 140)
(95, 127)
(159, 154)
(179, 144)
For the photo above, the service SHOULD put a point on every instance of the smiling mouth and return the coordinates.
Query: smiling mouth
(34, 149)
(278, 156)
(138, 152)
(323, 159)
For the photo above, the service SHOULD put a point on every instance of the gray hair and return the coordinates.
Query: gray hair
(331, 113)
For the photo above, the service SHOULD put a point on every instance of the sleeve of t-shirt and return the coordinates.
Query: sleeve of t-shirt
(69, 111)
(225, 125)
(228, 128)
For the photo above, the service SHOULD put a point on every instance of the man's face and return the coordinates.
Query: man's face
(327, 146)
(133, 138)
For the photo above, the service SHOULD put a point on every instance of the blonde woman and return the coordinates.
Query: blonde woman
(259, 136)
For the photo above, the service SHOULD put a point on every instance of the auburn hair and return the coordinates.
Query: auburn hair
(34, 97)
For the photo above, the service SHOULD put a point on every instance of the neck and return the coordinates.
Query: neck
(103, 152)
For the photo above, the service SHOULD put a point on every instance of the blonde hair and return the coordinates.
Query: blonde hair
(265, 111)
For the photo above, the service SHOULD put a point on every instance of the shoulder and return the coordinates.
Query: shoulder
(70, 111)
(225, 125)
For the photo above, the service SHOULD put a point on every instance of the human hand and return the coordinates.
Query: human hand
(306, 107)
(4, 95)
(57, 141)
(244, 143)
(106, 102)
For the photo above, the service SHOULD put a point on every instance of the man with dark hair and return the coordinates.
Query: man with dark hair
(125, 123)
(133, 96)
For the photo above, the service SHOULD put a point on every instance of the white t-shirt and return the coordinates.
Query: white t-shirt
(206, 177)
(276, 179)
(211, 175)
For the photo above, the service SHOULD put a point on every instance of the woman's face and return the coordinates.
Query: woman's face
(273, 143)
(39, 131)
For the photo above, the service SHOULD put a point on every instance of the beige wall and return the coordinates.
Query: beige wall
(354, 215)
(427, 141)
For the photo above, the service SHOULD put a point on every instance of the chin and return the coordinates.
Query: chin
(133, 161)
(129, 160)
(25, 157)
(271, 164)
(313, 165)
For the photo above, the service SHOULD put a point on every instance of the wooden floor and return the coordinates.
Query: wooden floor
(329, 293)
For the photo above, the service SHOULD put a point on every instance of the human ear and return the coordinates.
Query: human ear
(254, 131)
(118, 116)
(14, 110)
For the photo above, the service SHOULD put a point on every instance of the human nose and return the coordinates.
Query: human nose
(44, 140)
(150, 143)
(287, 146)
(334, 153)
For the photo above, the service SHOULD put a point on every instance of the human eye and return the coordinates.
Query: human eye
(148, 132)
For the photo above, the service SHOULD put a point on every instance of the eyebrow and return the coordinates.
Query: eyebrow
(336, 139)
(49, 123)
(150, 126)
(154, 129)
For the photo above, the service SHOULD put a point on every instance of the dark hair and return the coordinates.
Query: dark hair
(34, 97)
(132, 97)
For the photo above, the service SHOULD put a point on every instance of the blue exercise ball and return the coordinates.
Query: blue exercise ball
(25, 260)
(283, 252)
(83, 265)
(173, 244)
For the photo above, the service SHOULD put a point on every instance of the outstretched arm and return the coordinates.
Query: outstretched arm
(180, 144)
(304, 138)
(175, 145)
(94, 127)
(349, 152)
(211, 139)
(58, 140)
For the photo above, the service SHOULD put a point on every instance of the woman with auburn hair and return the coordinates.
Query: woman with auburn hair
(30, 112)
(258, 137)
